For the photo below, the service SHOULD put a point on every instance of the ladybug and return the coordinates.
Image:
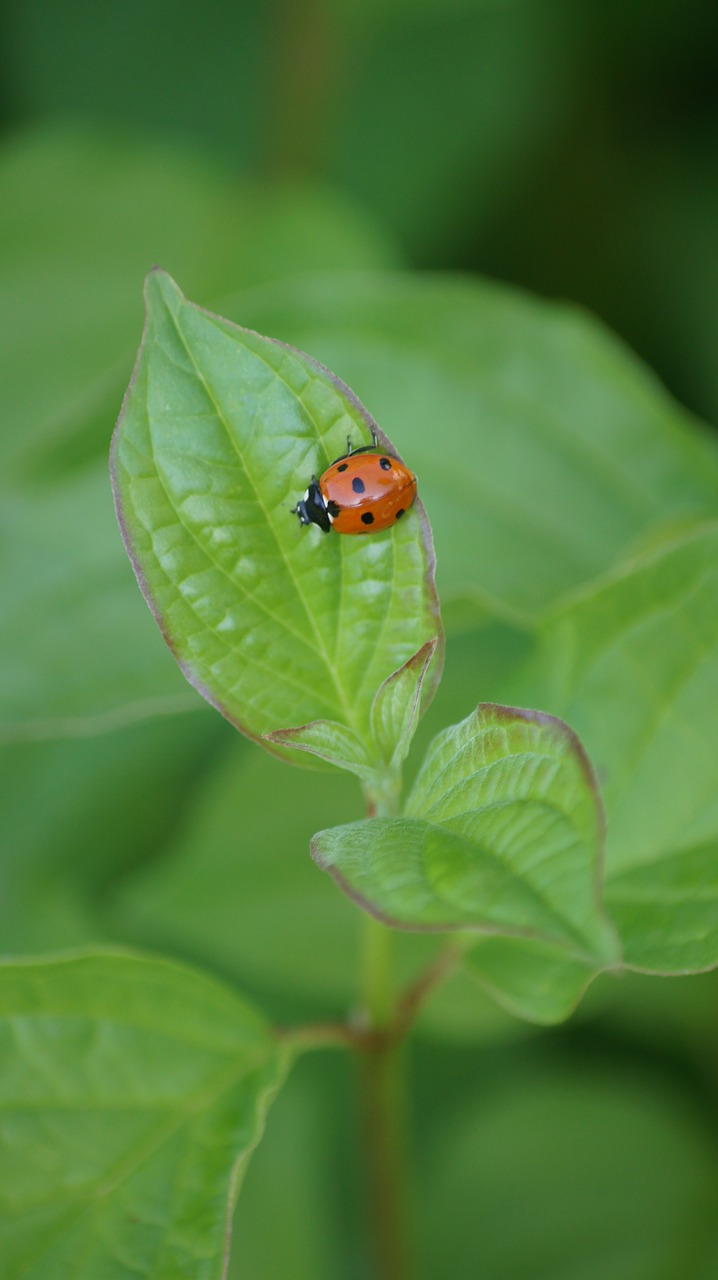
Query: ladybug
(364, 491)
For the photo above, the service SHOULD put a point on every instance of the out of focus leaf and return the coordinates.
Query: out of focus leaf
(667, 911)
(432, 113)
(633, 663)
(529, 977)
(68, 832)
(79, 653)
(133, 1094)
(237, 890)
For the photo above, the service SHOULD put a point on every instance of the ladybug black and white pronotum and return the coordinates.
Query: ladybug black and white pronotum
(364, 491)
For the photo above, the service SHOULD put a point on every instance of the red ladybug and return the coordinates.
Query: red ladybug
(364, 491)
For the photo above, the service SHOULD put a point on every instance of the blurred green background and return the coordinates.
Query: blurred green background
(568, 147)
(259, 151)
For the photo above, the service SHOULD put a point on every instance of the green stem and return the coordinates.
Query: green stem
(378, 996)
(318, 1035)
(383, 1090)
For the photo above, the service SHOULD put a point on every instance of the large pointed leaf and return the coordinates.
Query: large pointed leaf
(220, 434)
(82, 217)
(133, 1092)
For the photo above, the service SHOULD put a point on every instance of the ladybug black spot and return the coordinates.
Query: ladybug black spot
(401, 512)
(385, 464)
(358, 485)
(343, 467)
(367, 517)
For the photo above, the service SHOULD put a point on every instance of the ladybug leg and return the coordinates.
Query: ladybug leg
(365, 448)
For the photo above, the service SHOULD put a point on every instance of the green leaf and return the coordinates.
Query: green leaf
(133, 1092)
(395, 709)
(634, 664)
(529, 977)
(544, 449)
(667, 911)
(83, 215)
(275, 625)
(643, 644)
(503, 834)
(68, 834)
(235, 891)
(394, 718)
(79, 653)
(330, 741)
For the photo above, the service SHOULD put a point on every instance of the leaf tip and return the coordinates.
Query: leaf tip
(161, 290)
(554, 724)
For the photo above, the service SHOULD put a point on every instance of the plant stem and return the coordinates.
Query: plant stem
(302, 76)
(384, 1143)
(383, 1106)
(318, 1035)
(377, 975)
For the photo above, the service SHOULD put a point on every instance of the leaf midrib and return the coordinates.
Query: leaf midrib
(567, 926)
(319, 638)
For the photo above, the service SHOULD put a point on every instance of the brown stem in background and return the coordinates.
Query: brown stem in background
(304, 49)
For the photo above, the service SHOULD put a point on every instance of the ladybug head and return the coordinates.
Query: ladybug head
(312, 509)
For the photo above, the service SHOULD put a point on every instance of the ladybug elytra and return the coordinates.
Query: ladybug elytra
(364, 491)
